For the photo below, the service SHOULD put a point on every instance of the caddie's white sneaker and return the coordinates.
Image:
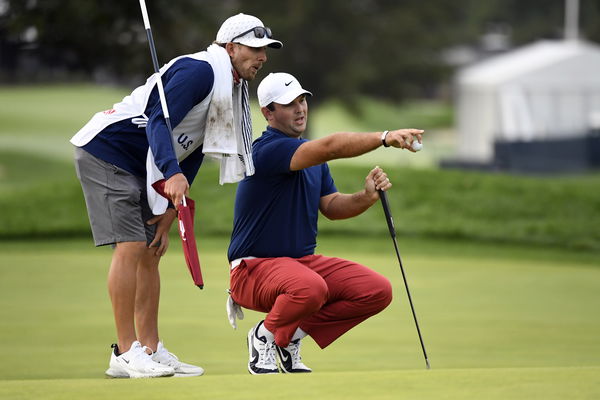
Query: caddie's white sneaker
(162, 356)
(135, 363)
(289, 358)
(261, 353)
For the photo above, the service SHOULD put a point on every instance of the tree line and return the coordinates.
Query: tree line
(384, 48)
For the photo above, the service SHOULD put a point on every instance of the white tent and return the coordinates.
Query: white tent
(543, 91)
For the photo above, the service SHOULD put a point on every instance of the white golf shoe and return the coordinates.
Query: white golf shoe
(261, 352)
(135, 363)
(163, 357)
(289, 358)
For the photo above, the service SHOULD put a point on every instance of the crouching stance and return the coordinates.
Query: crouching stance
(273, 266)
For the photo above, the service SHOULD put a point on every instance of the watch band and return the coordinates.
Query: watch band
(383, 136)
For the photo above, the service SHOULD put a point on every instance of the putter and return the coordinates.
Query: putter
(390, 223)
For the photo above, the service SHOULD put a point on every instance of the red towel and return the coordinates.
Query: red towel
(185, 217)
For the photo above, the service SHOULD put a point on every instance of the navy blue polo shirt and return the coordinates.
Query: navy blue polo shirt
(187, 83)
(276, 210)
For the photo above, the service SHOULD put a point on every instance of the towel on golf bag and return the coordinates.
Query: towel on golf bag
(228, 132)
(227, 135)
(221, 122)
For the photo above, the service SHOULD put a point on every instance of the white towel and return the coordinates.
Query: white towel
(227, 135)
(228, 132)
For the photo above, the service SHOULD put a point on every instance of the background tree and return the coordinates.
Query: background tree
(384, 48)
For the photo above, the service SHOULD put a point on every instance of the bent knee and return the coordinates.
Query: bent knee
(382, 293)
(386, 292)
(313, 294)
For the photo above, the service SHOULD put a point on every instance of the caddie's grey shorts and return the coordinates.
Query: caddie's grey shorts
(116, 201)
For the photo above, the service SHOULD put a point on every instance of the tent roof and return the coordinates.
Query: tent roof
(524, 61)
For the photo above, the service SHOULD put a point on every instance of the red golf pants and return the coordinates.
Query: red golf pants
(324, 296)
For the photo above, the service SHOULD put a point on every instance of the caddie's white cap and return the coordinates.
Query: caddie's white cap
(243, 24)
(280, 88)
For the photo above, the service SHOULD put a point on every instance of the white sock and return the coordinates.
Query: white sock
(263, 331)
(299, 334)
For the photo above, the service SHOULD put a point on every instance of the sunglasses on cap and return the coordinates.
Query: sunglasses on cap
(259, 32)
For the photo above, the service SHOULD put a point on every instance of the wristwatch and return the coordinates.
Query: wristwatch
(383, 136)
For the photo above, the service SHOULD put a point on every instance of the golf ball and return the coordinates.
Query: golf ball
(416, 146)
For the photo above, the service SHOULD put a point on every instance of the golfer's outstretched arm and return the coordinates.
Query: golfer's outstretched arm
(340, 205)
(349, 144)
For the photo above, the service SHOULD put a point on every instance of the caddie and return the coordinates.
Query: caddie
(122, 151)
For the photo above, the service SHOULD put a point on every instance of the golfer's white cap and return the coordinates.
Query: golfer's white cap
(280, 88)
(240, 24)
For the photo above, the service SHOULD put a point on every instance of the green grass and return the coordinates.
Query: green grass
(371, 115)
(504, 272)
(18, 172)
(41, 197)
(479, 206)
(49, 111)
(498, 321)
(492, 384)
(41, 119)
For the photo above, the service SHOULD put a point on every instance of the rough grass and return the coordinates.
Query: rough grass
(41, 197)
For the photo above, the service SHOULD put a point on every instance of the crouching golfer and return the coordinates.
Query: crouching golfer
(273, 265)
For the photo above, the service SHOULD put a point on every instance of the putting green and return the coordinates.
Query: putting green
(491, 384)
(499, 322)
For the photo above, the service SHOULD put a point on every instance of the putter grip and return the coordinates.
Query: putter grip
(388, 214)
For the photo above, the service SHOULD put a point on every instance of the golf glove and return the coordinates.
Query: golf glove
(234, 311)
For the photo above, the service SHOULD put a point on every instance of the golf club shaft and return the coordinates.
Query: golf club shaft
(390, 223)
(161, 90)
